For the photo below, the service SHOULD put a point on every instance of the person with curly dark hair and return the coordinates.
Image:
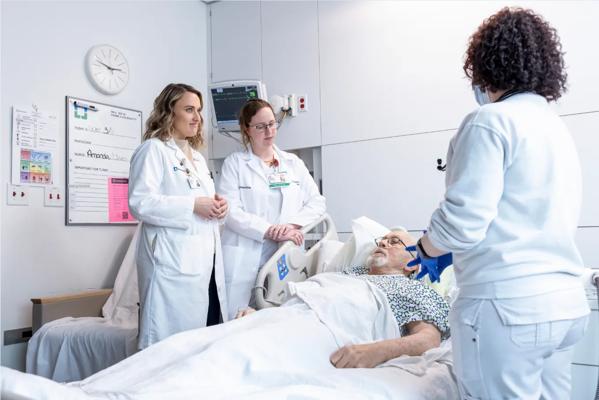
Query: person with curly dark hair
(509, 217)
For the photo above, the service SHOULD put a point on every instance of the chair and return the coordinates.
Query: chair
(77, 335)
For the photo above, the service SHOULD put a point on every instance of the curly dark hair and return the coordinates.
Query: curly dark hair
(516, 49)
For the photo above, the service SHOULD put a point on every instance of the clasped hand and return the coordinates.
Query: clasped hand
(211, 207)
(283, 232)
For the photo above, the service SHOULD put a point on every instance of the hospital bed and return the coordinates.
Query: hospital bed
(430, 379)
(291, 263)
(178, 366)
(79, 334)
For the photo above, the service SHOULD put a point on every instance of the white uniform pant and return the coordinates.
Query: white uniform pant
(493, 360)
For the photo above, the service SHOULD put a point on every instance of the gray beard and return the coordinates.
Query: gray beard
(376, 262)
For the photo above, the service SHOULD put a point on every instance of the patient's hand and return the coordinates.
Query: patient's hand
(244, 312)
(422, 336)
(359, 356)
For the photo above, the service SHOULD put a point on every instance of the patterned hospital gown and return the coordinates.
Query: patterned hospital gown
(410, 299)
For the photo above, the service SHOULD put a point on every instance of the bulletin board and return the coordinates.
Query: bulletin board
(35, 141)
(100, 140)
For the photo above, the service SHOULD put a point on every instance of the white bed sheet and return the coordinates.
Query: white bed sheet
(272, 354)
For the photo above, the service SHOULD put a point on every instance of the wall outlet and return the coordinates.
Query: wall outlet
(53, 197)
(302, 103)
(17, 195)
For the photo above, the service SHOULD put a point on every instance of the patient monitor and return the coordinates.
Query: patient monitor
(229, 97)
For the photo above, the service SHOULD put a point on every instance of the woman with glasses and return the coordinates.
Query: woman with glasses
(271, 196)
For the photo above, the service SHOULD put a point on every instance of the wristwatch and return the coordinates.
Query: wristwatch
(421, 249)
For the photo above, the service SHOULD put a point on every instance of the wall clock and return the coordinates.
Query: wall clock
(107, 69)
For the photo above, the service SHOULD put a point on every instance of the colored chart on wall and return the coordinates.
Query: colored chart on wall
(35, 146)
(101, 139)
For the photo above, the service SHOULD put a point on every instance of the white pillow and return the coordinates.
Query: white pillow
(328, 250)
(359, 246)
(361, 243)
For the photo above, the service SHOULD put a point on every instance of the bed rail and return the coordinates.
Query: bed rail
(291, 263)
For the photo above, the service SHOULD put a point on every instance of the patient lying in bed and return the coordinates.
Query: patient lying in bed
(358, 318)
(421, 314)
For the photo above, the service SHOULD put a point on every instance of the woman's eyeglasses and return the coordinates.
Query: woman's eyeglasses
(263, 127)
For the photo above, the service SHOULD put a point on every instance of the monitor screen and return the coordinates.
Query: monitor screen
(228, 101)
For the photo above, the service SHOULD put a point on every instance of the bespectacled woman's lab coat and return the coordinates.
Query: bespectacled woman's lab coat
(176, 247)
(244, 184)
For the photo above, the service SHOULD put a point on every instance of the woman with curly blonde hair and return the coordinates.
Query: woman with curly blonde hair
(171, 192)
(510, 215)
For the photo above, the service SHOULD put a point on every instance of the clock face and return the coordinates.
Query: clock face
(107, 69)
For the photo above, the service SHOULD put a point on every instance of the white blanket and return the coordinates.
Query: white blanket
(272, 354)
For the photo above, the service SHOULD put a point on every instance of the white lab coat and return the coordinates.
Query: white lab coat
(245, 186)
(176, 247)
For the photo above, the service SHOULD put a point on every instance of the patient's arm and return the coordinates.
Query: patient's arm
(421, 337)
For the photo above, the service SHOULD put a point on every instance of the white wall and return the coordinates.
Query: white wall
(391, 93)
(277, 42)
(43, 47)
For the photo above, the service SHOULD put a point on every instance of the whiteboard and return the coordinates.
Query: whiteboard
(101, 139)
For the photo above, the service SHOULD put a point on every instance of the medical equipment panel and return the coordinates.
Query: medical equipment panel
(229, 97)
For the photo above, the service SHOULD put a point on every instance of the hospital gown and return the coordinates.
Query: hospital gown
(409, 299)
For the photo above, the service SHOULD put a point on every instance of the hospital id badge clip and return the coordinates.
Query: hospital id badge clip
(193, 182)
(278, 180)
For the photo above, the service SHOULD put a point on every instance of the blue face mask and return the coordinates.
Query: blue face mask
(481, 97)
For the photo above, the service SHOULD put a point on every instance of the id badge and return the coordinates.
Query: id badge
(278, 180)
(193, 182)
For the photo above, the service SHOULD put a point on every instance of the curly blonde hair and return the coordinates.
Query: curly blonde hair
(160, 122)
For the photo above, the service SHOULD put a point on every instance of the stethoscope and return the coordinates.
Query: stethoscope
(509, 94)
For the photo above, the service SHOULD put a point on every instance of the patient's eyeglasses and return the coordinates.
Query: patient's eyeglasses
(262, 127)
(392, 241)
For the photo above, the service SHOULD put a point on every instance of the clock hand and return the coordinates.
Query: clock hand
(108, 66)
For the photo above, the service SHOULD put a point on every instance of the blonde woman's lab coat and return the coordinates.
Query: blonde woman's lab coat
(245, 186)
(176, 248)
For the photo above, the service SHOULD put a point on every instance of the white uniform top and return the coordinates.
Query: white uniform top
(251, 212)
(511, 208)
(176, 247)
